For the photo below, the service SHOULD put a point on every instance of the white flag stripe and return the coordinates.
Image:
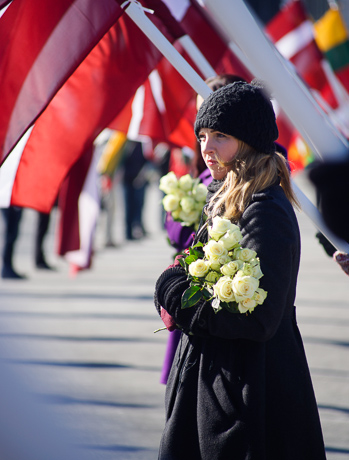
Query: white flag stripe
(190, 47)
(2, 11)
(293, 42)
(178, 8)
(8, 170)
(137, 114)
(156, 89)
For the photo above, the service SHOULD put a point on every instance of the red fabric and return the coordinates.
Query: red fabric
(343, 76)
(68, 229)
(34, 57)
(95, 93)
(343, 261)
(168, 320)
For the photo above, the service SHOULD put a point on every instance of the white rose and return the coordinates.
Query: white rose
(247, 269)
(189, 218)
(185, 183)
(247, 305)
(244, 287)
(224, 259)
(170, 202)
(231, 267)
(223, 289)
(214, 263)
(220, 226)
(256, 268)
(260, 295)
(187, 204)
(175, 214)
(245, 254)
(231, 238)
(178, 193)
(199, 268)
(169, 182)
(212, 277)
(200, 192)
(215, 249)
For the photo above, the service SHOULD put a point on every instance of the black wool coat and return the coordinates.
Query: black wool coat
(240, 387)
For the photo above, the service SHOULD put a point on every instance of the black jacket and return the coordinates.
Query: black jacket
(240, 387)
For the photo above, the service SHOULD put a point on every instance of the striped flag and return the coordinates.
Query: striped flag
(331, 36)
(87, 102)
(292, 33)
(42, 43)
(291, 30)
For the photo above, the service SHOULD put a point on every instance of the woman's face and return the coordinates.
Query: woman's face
(216, 145)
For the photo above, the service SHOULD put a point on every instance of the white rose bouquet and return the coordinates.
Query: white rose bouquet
(223, 272)
(185, 197)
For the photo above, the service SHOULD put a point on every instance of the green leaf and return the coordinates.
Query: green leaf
(190, 259)
(191, 296)
(193, 250)
(182, 262)
(232, 307)
(198, 254)
(206, 294)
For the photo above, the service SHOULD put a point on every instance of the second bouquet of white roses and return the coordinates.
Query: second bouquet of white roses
(223, 272)
(185, 197)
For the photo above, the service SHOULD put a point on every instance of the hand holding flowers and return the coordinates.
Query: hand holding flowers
(223, 272)
(185, 197)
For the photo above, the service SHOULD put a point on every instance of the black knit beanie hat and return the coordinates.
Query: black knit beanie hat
(241, 110)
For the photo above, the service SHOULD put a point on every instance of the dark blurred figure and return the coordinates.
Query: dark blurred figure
(12, 217)
(331, 182)
(135, 180)
(41, 232)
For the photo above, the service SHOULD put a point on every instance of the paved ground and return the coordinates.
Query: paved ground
(86, 345)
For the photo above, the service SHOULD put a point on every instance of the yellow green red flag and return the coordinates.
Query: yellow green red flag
(331, 36)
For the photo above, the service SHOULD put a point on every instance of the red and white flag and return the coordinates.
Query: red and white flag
(42, 43)
(291, 30)
(87, 102)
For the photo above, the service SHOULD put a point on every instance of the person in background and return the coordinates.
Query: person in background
(107, 167)
(12, 218)
(43, 222)
(135, 181)
(240, 385)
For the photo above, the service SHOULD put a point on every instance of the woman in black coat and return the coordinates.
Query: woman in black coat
(240, 387)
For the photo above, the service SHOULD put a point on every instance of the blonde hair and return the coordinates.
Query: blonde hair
(250, 172)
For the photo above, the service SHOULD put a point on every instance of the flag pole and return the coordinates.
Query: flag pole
(194, 52)
(237, 24)
(136, 13)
